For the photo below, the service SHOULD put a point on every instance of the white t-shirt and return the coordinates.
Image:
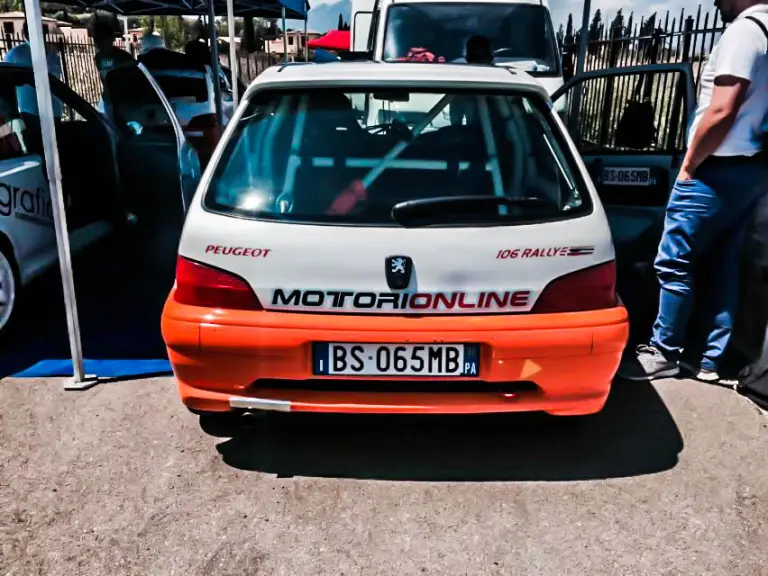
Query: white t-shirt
(26, 95)
(741, 52)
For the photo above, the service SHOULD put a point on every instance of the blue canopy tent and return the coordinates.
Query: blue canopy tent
(295, 9)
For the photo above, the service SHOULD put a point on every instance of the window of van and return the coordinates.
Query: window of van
(518, 33)
(453, 159)
(182, 86)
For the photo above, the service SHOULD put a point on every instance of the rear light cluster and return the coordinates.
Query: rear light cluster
(589, 289)
(200, 285)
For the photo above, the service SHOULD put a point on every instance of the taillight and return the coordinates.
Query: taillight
(200, 285)
(589, 289)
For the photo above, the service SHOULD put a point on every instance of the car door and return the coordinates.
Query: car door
(26, 215)
(90, 175)
(629, 125)
(159, 169)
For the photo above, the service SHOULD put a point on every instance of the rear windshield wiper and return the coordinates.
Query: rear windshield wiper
(411, 211)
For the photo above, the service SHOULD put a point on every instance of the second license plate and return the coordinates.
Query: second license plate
(454, 360)
(627, 176)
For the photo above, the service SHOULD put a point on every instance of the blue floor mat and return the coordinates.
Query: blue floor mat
(100, 368)
(121, 286)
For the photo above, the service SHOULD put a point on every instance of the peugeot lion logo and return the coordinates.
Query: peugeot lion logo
(398, 269)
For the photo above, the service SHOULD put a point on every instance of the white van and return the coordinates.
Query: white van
(520, 32)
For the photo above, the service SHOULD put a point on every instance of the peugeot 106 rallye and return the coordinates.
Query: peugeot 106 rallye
(450, 259)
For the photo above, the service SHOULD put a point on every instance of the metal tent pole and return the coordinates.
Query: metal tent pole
(233, 63)
(215, 63)
(285, 39)
(53, 170)
(575, 106)
(583, 37)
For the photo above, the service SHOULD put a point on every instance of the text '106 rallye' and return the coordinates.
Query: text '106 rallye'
(347, 253)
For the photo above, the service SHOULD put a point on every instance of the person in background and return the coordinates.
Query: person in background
(25, 95)
(724, 173)
(197, 47)
(151, 41)
(477, 51)
(108, 56)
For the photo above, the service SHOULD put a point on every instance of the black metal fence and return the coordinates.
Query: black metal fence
(77, 58)
(653, 40)
(78, 65)
(613, 113)
(251, 65)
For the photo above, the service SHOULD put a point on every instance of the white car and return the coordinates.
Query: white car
(135, 160)
(330, 264)
(189, 88)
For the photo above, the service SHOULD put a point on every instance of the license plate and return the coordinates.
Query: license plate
(454, 360)
(627, 176)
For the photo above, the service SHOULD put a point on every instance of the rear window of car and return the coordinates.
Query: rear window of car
(188, 87)
(397, 158)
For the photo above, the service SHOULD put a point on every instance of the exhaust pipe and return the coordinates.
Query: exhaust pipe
(251, 419)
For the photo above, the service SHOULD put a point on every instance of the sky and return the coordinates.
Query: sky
(561, 8)
(641, 8)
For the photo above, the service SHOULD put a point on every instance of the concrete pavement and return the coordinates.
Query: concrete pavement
(671, 478)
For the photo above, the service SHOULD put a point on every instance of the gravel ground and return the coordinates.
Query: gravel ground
(121, 479)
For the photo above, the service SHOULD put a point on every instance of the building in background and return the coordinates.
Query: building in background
(12, 23)
(296, 42)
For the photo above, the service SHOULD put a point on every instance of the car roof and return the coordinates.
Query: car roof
(400, 74)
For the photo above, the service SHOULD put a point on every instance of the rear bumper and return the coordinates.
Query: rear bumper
(222, 360)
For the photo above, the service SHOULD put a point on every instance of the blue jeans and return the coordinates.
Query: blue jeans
(705, 218)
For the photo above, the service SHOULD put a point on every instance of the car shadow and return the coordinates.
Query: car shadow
(633, 435)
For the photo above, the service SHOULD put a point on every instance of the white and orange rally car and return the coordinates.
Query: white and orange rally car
(450, 259)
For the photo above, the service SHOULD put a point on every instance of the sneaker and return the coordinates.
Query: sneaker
(705, 375)
(649, 364)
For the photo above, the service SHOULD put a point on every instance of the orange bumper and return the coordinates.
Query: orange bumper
(220, 357)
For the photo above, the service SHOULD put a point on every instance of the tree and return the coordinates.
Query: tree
(617, 26)
(341, 23)
(594, 28)
(647, 27)
(561, 37)
(569, 27)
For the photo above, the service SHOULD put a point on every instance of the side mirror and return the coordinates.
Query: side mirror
(135, 128)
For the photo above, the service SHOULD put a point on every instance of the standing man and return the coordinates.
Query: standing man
(108, 56)
(477, 51)
(197, 47)
(723, 174)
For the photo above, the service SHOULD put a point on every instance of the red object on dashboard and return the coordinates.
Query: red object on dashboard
(421, 55)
